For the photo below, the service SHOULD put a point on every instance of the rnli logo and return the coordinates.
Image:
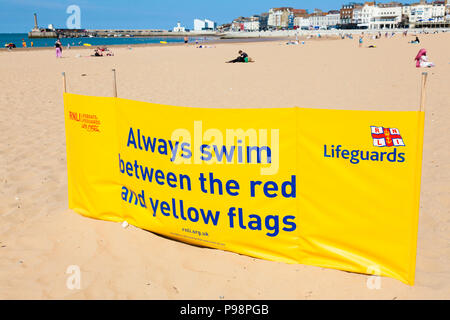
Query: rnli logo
(89, 122)
(386, 137)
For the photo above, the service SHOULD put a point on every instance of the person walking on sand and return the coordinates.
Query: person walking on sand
(360, 41)
(422, 60)
(186, 40)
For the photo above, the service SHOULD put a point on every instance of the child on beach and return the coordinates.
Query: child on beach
(422, 60)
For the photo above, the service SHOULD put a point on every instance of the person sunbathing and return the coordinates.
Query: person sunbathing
(416, 40)
(98, 53)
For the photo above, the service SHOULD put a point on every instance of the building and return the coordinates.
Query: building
(302, 22)
(179, 28)
(279, 17)
(324, 20)
(238, 24)
(224, 27)
(252, 24)
(426, 13)
(202, 25)
(263, 21)
(366, 14)
(386, 17)
(199, 25)
(423, 15)
(357, 15)
(210, 25)
(353, 15)
(317, 19)
(296, 13)
(333, 18)
(347, 16)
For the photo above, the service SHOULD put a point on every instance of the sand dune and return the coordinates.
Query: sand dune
(40, 237)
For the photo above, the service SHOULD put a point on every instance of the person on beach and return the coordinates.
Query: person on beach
(58, 47)
(186, 40)
(360, 41)
(416, 40)
(422, 59)
(243, 57)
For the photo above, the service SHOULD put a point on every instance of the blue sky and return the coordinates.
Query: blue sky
(17, 15)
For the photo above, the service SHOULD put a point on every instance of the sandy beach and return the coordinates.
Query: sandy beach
(40, 237)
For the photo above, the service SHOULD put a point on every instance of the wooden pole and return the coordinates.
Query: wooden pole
(114, 84)
(64, 82)
(423, 91)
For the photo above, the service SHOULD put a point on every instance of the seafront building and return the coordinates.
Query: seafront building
(279, 17)
(179, 28)
(385, 17)
(348, 13)
(354, 15)
(426, 13)
(202, 25)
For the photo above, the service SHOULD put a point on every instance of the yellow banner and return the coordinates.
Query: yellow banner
(330, 188)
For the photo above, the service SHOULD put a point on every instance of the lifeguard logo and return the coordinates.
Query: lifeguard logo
(386, 137)
(89, 122)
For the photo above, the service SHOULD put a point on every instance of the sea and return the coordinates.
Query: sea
(18, 38)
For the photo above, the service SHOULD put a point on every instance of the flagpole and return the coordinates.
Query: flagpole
(64, 82)
(114, 84)
(423, 91)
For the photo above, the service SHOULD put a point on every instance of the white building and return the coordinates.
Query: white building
(376, 17)
(210, 25)
(366, 15)
(386, 18)
(251, 24)
(357, 15)
(324, 20)
(279, 17)
(333, 19)
(426, 13)
(448, 11)
(201, 25)
(179, 28)
(302, 22)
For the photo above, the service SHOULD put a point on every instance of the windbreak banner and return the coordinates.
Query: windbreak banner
(330, 188)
